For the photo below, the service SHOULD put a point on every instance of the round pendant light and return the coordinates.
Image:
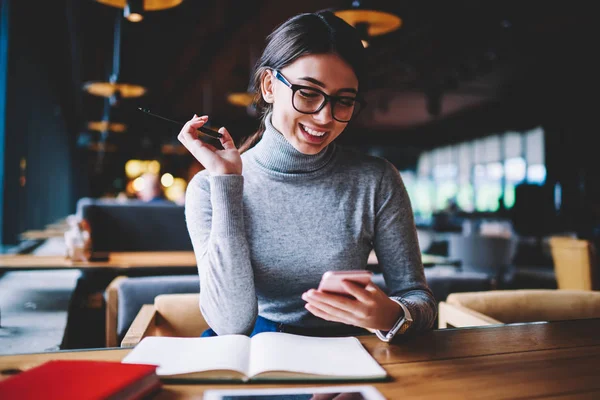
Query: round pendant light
(133, 10)
(149, 5)
(376, 22)
(369, 23)
(109, 89)
(113, 89)
(102, 126)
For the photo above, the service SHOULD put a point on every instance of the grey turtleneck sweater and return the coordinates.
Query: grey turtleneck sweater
(264, 237)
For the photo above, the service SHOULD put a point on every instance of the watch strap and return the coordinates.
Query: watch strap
(401, 326)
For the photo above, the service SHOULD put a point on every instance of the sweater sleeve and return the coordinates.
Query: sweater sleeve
(215, 221)
(397, 249)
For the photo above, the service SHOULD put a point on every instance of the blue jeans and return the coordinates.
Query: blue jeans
(265, 325)
(261, 325)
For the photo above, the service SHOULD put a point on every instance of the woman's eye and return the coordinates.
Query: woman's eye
(347, 102)
(307, 93)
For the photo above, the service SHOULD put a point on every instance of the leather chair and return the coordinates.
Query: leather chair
(515, 306)
(125, 296)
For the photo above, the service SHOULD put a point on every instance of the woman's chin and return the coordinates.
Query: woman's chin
(309, 149)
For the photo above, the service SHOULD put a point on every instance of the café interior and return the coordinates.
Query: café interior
(484, 108)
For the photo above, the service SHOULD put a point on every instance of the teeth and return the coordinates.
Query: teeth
(312, 132)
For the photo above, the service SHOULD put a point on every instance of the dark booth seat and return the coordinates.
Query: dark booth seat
(137, 226)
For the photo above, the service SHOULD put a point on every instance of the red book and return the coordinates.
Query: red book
(82, 380)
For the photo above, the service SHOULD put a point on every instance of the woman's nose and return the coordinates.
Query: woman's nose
(325, 115)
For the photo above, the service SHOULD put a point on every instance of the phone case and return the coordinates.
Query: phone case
(332, 280)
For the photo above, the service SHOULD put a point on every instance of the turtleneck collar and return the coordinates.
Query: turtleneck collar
(274, 153)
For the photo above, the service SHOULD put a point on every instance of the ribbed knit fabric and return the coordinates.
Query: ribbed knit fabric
(263, 238)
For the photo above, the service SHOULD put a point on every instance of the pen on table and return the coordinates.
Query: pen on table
(206, 131)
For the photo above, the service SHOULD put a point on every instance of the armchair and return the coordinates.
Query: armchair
(515, 306)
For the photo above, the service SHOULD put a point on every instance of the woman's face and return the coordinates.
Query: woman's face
(309, 133)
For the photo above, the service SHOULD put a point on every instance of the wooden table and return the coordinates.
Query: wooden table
(117, 260)
(136, 259)
(537, 360)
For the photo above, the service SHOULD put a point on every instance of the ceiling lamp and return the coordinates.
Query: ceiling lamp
(114, 90)
(102, 126)
(133, 10)
(369, 23)
(110, 89)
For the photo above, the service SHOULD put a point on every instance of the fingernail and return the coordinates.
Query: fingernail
(194, 116)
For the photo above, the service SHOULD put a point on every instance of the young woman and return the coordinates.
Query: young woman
(267, 224)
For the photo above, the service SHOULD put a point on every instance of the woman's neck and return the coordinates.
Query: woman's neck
(276, 153)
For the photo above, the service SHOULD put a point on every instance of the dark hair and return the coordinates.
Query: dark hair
(310, 33)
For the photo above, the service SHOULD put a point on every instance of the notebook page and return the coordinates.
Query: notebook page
(345, 356)
(178, 355)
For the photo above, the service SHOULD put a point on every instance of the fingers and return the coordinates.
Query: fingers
(226, 140)
(338, 309)
(188, 132)
(202, 151)
(361, 294)
(216, 160)
(323, 314)
(337, 301)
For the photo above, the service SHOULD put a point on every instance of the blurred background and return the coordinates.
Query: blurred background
(470, 100)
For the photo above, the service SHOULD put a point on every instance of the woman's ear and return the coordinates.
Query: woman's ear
(267, 86)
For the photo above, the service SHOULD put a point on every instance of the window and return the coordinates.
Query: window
(488, 186)
(515, 169)
(534, 154)
(480, 173)
(536, 173)
(446, 188)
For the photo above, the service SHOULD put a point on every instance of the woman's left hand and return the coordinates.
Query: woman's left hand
(370, 308)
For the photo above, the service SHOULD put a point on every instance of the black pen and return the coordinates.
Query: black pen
(206, 131)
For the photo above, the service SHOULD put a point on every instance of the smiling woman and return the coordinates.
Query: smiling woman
(268, 223)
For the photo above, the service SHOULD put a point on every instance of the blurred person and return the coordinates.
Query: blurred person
(152, 190)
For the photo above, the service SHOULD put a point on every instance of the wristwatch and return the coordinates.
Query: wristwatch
(400, 326)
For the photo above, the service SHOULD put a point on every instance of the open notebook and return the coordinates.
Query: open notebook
(266, 356)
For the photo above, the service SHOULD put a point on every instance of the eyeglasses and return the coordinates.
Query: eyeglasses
(310, 100)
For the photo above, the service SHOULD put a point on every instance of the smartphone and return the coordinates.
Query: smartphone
(332, 280)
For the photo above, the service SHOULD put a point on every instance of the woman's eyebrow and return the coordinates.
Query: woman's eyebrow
(313, 80)
(319, 83)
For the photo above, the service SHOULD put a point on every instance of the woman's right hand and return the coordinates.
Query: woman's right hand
(216, 162)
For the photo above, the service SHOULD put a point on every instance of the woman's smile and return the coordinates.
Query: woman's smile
(313, 134)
